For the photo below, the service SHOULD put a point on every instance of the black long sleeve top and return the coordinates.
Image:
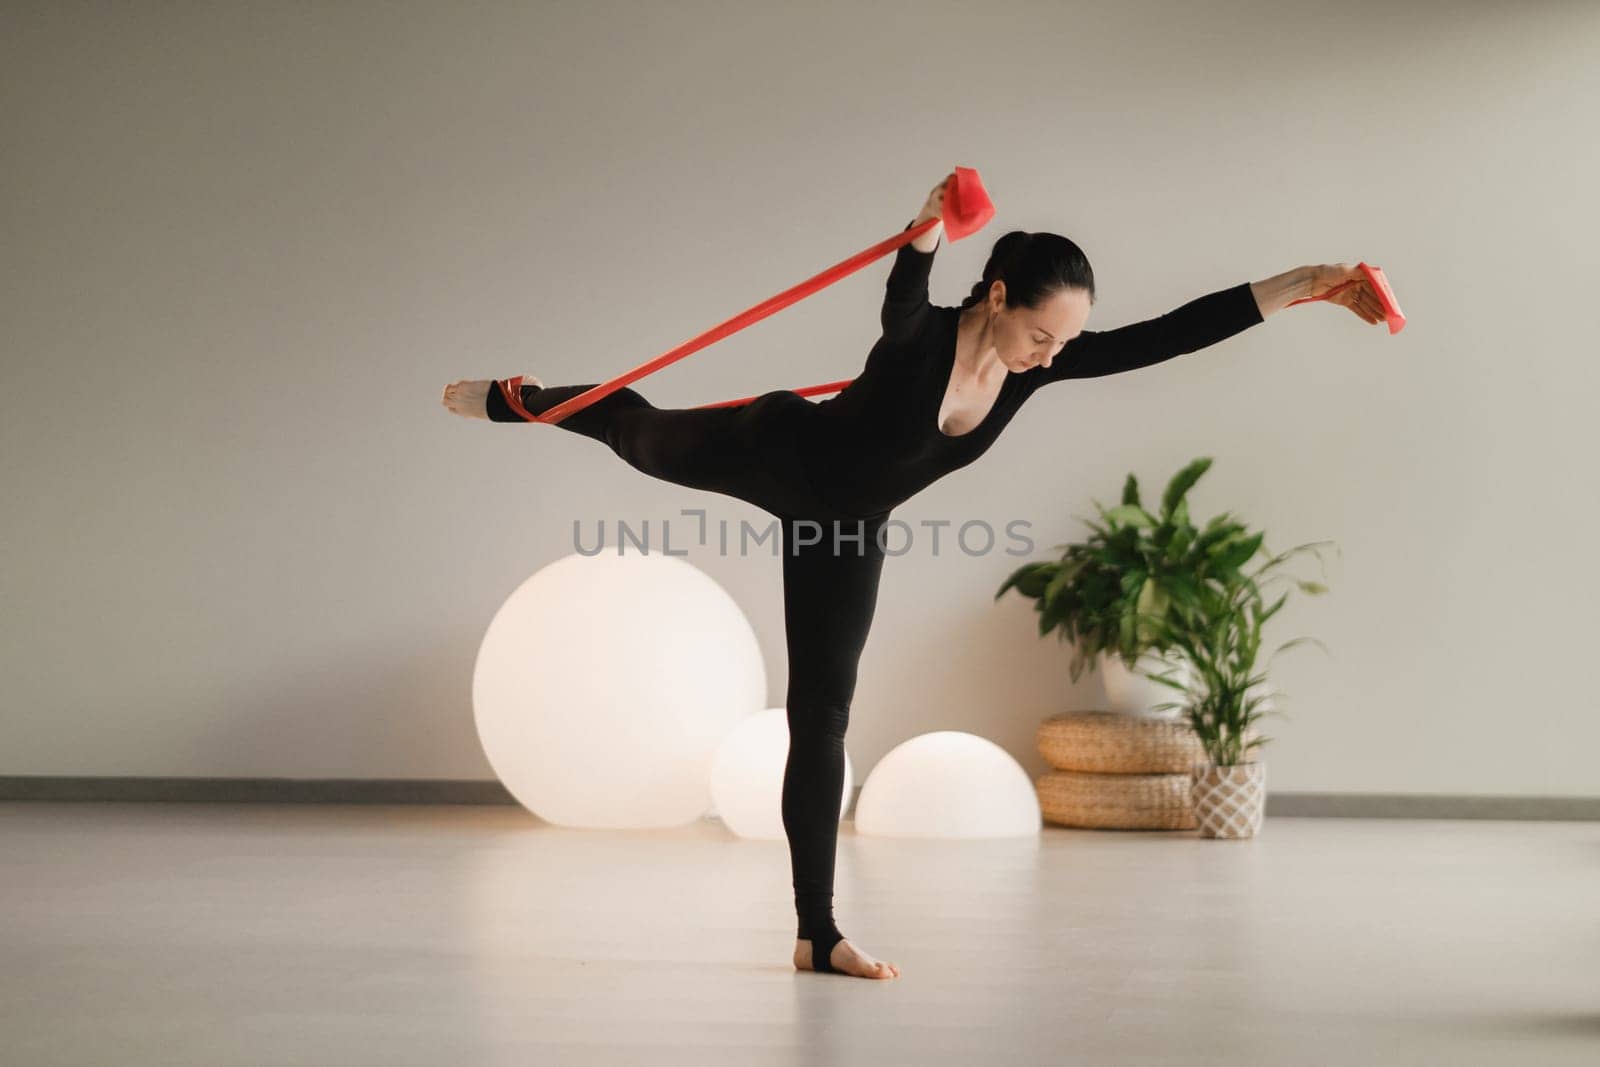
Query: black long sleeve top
(877, 442)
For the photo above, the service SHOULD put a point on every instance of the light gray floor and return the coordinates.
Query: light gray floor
(298, 934)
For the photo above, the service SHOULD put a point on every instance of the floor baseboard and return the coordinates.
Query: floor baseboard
(476, 791)
(257, 790)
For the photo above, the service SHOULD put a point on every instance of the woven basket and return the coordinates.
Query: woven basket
(1116, 801)
(1104, 742)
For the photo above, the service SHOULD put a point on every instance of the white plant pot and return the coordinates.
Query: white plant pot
(1129, 692)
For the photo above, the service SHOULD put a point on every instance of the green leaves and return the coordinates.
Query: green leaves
(1233, 554)
(1130, 490)
(1031, 579)
(1131, 515)
(1182, 482)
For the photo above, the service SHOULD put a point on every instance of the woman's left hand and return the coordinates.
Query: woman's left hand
(1347, 285)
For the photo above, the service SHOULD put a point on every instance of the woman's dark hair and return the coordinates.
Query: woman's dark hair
(1033, 266)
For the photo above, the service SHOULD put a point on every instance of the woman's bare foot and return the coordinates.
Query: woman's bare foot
(846, 958)
(470, 397)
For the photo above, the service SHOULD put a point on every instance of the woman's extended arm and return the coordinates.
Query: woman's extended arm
(1198, 324)
(1204, 321)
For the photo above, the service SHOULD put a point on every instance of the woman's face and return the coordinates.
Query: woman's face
(1025, 338)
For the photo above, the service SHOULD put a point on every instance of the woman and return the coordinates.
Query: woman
(937, 389)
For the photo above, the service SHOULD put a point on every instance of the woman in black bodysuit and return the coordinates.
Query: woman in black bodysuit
(938, 387)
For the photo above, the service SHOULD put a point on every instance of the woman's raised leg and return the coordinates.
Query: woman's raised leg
(720, 449)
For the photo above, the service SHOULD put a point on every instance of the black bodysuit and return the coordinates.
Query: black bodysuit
(831, 472)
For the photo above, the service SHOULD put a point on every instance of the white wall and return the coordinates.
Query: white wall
(247, 245)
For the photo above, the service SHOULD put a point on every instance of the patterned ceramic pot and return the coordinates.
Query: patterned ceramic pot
(1228, 801)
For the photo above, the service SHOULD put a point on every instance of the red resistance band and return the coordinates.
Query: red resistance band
(1380, 285)
(967, 209)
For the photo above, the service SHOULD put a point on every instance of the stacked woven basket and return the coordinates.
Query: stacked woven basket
(1117, 772)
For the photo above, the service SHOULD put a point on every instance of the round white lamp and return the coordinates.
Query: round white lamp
(605, 683)
(747, 775)
(948, 784)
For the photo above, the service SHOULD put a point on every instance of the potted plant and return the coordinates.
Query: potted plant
(1135, 566)
(1221, 698)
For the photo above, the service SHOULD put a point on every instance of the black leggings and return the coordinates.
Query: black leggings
(831, 565)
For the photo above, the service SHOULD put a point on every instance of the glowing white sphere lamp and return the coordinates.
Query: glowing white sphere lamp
(747, 775)
(605, 683)
(948, 784)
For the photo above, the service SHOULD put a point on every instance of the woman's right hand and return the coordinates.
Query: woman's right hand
(934, 207)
